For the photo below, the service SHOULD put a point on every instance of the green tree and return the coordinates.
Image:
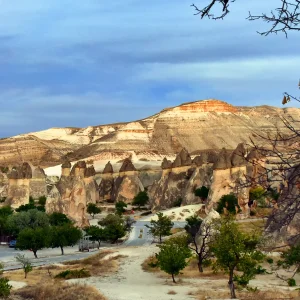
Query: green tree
(33, 239)
(27, 219)
(291, 258)
(5, 212)
(93, 209)
(63, 236)
(199, 236)
(141, 199)
(5, 287)
(202, 192)
(25, 262)
(42, 200)
(235, 250)
(26, 207)
(58, 219)
(173, 255)
(160, 227)
(114, 227)
(96, 234)
(258, 193)
(120, 207)
(230, 202)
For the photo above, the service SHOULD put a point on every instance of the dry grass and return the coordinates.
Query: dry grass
(96, 265)
(172, 292)
(223, 292)
(252, 225)
(59, 291)
(191, 271)
(177, 230)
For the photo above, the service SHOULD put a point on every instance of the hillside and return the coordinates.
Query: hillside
(200, 125)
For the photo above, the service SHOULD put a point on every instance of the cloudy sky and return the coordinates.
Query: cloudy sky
(89, 62)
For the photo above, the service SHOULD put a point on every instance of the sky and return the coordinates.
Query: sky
(78, 63)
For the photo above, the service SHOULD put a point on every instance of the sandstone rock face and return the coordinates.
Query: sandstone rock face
(37, 185)
(107, 183)
(3, 185)
(73, 192)
(19, 185)
(284, 224)
(190, 126)
(127, 185)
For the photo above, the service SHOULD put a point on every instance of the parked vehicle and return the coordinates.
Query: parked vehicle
(12, 244)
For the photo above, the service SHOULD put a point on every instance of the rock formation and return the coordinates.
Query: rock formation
(179, 181)
(19, 185)
(229, 176)
(75, 189)
(106, 184)
(201, 125)
(37, 183)
(127, 185)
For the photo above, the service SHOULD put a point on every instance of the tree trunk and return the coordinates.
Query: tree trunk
(99, 244)
(25, 274)
(173, 278)
(160, 238)
(34, 253)
(231, 285)
(62, 250)
(200, 268)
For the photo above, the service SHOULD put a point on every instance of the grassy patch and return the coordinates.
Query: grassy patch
(59, 291)
(252, 225)
(71, 274)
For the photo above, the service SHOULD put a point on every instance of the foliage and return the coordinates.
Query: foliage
(291, 258)
(96, 234)
(25, 262)
(5, 212)
(141, 199)
(93, 209)
(70, 274)
(42, 200)
(33, 239)
(230, 202)
(32, 205)
(27, 219)
(258, 193)
(235, 250)
(173, 256)
(64, 235)
(177, 202)
(197, 233)
(59, 219)
(114, 227)
(161, 227)
(5, 287)
(202, 192)
(120, 207)
(269, 260)
(291, 282)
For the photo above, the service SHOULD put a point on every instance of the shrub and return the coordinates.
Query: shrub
(229, 202)
(269, 260)
(252, 213)
(70, 274)
(5, 288)
(202, 192)
(291, 282)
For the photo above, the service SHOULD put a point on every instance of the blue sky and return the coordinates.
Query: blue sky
(89, 62)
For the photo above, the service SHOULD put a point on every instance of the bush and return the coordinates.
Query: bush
(5, 288)
(229, 201)
(202, 192)
(270, 260)
(252, 213)
(260, 270)
(70, 274)
(291, 282)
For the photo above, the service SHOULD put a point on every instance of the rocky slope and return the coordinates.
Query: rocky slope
(201, 125)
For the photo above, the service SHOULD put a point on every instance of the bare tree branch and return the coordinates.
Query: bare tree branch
(282, 19)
